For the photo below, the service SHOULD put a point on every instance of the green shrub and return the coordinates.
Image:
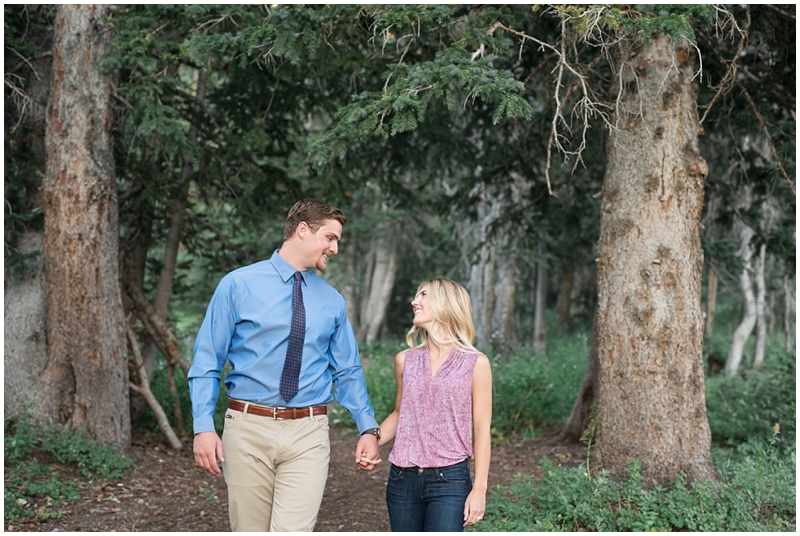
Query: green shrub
(748, 405)
(758, 494)
(32, 489)
(529, 391)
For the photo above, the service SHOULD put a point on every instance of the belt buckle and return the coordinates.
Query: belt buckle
(275, 413)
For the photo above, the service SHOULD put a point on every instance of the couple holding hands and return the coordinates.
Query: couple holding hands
(287, 337)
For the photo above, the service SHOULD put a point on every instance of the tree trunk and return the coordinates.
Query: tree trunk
(86, 375)
(481, 274)
(587, 396)
(761, 291)
(504, 289)
(376, 300)
(540, 304)
(711, 300)
(745, 328)
(789, 306)
(650, 260)
(169, 264)
(565, 297)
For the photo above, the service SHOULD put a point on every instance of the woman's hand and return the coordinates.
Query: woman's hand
(475, 507)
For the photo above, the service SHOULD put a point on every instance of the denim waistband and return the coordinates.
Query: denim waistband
(422, 469)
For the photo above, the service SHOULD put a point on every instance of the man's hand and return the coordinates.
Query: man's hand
(207, 450)
(367, 452)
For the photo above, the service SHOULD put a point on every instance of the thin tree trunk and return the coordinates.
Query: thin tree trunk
(540, 303)
(761, 290)
(86, 379)
(711, 300)
(565, 296)
(745, 328)
(788, 309)
(587, 396)
(651, 395)
(169, 263)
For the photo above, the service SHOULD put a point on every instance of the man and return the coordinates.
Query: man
(285, 332)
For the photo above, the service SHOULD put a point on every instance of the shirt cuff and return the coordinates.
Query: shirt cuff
(204, 424)
(367, 422)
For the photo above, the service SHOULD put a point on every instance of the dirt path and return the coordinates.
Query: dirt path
(165, 491)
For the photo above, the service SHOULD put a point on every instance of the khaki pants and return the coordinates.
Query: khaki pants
(275, 471)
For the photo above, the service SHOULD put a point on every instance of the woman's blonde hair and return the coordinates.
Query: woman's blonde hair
(451, 309)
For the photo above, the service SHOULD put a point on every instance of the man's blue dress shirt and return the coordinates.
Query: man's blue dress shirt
(247, 323)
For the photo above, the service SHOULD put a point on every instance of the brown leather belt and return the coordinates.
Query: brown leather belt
(278, 413)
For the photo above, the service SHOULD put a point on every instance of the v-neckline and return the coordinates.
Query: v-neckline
(433, 374)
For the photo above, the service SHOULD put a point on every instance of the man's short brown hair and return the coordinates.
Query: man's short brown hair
(315, 213)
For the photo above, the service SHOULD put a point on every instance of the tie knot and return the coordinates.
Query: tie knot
(298, 278)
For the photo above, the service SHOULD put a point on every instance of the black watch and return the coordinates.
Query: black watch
(374, 431)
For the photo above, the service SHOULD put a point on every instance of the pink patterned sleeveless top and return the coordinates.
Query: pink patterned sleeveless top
(435, 424)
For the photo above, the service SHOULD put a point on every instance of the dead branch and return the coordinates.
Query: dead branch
(763, 123)
(144, 391)
(157, 329)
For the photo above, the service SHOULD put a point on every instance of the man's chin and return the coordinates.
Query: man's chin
(322, 265)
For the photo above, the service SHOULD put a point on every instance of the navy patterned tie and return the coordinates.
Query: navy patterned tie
(297, 333)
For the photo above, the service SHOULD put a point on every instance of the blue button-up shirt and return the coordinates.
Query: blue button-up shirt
(247, 323)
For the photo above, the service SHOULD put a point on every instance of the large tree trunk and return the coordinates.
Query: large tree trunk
(86, 377)
(748, 322)
(649, 317)
(540, 303)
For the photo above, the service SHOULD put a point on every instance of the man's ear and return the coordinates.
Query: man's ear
(302, 229)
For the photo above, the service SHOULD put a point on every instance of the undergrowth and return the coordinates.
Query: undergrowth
(756, 493)
(33, 489)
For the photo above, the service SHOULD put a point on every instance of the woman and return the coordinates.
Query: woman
(444, 395)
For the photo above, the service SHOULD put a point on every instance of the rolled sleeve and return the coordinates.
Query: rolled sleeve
(350, 387)
(210, 354)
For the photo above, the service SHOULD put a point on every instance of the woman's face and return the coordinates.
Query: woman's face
(422, 314)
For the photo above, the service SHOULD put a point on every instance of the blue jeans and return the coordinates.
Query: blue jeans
(429, 500)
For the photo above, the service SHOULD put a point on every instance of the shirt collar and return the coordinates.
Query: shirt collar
(284, 269)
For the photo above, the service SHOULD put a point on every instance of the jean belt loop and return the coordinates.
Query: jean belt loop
(244, 410)
(311, 412)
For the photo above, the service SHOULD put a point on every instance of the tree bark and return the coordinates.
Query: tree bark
(651, 395)
(711, 300)
(86, 377)
(761, 291)
(540, 303)
(748, 322)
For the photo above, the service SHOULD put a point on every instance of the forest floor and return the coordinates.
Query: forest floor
(165, 491)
